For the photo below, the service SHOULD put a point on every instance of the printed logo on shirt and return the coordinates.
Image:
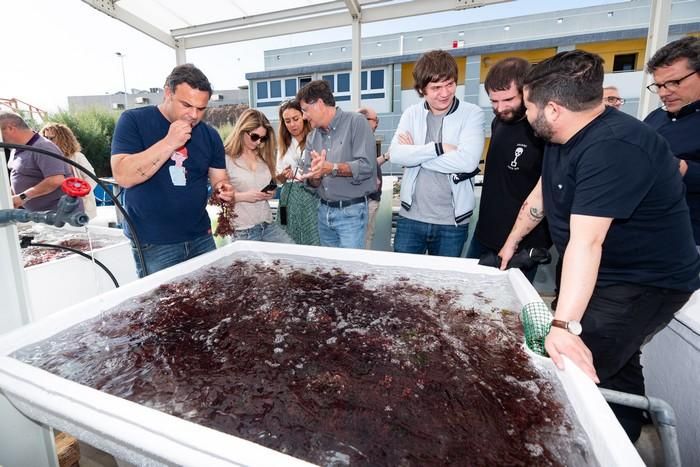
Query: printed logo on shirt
(519, 150)
(178, 173)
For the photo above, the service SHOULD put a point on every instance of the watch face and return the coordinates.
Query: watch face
(575, 328)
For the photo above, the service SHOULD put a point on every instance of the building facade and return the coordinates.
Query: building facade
(154, 96)
(615, 31)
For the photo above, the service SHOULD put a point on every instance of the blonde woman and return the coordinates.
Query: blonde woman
(251, 166)
(63, 137)
(298, 208)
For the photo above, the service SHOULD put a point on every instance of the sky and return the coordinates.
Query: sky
(57, 48)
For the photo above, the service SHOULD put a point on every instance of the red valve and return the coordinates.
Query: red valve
(76, 187)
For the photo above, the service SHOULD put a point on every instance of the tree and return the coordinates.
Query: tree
(94, 129)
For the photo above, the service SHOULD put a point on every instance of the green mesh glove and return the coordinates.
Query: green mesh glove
(537, 320)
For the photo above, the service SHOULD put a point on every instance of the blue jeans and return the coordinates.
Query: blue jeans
(438, 240)
(264, 232)
(159, 257)
(343, 227)
(476, 249)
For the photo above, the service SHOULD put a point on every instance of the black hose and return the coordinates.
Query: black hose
(104, 187)
(84, 255)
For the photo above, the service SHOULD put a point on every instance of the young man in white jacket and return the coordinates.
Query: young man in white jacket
(439, 142)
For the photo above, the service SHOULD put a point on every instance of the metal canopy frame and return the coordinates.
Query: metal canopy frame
(315, 15)
(318, 15)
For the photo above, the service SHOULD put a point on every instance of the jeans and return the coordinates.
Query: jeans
(616, 323)
(476, 249)
(343, 227)
(264, 232)
(438, 240)
(159, 256)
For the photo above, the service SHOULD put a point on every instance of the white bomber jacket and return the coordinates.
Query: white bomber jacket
(462, 126)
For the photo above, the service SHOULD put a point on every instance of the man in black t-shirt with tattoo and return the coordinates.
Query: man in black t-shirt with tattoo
(615, 203)
(513, 165)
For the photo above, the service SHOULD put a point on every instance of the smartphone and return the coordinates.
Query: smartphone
(272, 186)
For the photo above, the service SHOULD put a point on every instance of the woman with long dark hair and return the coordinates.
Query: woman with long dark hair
(298, 208)
(251, 166)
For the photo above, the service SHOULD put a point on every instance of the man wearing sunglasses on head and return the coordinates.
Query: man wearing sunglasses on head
(343, 166)
(164, 156)
(676, 72)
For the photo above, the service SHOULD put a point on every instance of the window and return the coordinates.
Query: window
(276, 88)
(377, 79)
(343, 82)
(624, 62)
(304, 80)
(290, 87)
(330, 80)
(262, 89)
(363, 81)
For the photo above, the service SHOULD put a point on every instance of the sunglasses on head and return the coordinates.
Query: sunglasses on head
(254, 137)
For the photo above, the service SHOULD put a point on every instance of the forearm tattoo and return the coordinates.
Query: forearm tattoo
(536, 214)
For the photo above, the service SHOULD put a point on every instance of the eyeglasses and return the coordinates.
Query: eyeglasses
(375, 119)
(305, 107)
(670, 85)
(254, 137)
(614, 100)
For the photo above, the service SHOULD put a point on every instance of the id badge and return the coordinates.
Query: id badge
(178, 173)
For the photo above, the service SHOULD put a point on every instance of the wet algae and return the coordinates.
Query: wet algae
(329, 366)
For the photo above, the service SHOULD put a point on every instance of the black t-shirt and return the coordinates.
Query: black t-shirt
(618, 167)
(513, 166)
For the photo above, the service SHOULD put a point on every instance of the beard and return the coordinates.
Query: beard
(510, 115)
(542, 128)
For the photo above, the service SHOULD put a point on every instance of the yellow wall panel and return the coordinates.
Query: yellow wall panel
(609, 49)
(407, 73)
(532, 56)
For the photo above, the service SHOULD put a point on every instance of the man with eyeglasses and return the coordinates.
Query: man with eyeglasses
(611, 97)
(343, 166)
(164, 156)
(676, 72)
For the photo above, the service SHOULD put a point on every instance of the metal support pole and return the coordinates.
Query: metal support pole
(662, 415)
(121, 56)
(22, 441)
(657, 36)
(356, 86)
(180, 52)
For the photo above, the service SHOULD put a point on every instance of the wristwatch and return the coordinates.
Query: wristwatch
(574, 327)
(23, 196)
(334, 170)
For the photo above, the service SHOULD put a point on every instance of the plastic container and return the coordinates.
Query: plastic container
(141, 435)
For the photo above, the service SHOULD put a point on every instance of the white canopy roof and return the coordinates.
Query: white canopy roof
(178, 24)
(182, 25)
